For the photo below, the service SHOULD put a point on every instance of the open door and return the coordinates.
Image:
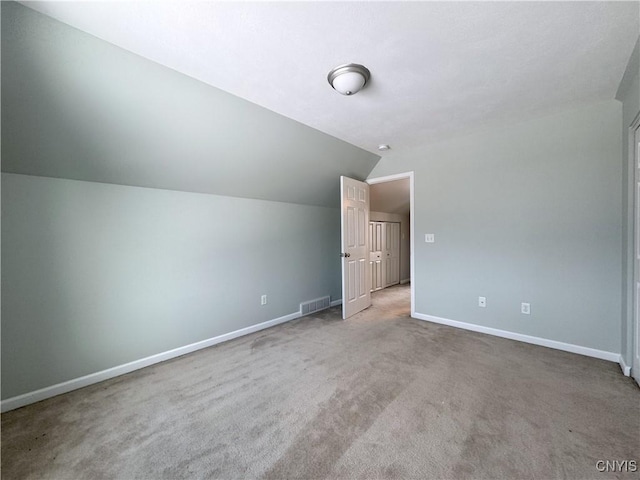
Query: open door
(356, 291)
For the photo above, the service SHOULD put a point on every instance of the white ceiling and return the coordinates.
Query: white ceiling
(437, 68)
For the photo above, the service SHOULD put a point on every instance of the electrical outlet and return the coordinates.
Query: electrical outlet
(429, 237)
(525, 308)
(482, 302)
(263, 300)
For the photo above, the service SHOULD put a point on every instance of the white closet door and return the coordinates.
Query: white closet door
(384, 254)
(375, 255)
(394, 251)
(391, 253)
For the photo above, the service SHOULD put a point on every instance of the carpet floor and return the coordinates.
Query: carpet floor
(379, 396)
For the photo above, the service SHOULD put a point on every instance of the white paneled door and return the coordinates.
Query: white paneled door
(391, 254)
(356, 290)
(384, 255)
(375, 255)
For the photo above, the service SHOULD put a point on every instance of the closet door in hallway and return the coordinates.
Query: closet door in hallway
(391, 253)
(384, 256)
(375, 255)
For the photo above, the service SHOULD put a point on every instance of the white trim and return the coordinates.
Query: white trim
(626, 370)
(391, 178)
(567, 347)
(76, 383)
(404, 281)
(335, 303)
(633, 319)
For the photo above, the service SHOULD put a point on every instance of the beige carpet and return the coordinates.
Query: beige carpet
(378, 396)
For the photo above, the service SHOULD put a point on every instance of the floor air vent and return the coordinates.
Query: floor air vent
(315, 305)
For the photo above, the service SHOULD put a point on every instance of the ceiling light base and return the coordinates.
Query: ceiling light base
(349, 79)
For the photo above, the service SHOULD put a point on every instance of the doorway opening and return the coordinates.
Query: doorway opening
(391, 234)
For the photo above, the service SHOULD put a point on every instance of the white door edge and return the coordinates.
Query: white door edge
(634, 154)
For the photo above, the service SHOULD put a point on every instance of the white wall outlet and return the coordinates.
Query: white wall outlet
(482, 302)
(429, 237)
(263, 300)
(525, 308)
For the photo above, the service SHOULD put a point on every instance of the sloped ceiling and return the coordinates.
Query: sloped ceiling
(391, 197)
(77, 107)
(438, 68)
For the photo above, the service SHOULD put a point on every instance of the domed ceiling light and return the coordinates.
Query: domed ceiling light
(349, 79)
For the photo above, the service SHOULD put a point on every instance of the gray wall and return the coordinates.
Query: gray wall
(77, 107)
(405, 238)
(629, 95)
(97, 275)
(529, 212)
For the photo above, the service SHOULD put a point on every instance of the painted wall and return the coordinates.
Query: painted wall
(405, 239)
(100, 274)
(629, 95)
(529, 212)
(77, 107)
(96, 275)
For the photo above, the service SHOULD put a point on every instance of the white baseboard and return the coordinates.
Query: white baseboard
(567, 347)
(626, 370)
(336, 302)
(405, 281)
(76, 383)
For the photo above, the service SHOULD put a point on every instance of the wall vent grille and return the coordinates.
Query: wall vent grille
(315, 305)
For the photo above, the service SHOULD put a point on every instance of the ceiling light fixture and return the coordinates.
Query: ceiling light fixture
(349, 79)
(384, 147)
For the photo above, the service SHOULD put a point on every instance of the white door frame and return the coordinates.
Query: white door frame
(391, 178)
(634, 158)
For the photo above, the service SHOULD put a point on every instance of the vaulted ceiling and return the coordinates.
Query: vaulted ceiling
(438, 68)
(77, 107)
(231, 98)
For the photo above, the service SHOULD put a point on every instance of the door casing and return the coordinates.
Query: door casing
(391, 178)
(635, 330)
